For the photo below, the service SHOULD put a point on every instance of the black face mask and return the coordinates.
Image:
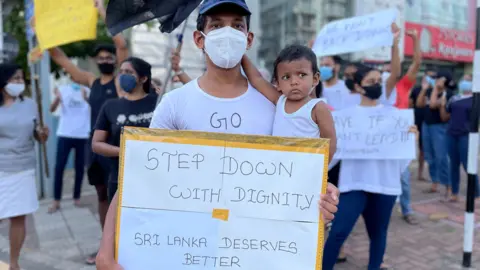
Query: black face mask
(350, 84)
(106, 68)
(373, 91)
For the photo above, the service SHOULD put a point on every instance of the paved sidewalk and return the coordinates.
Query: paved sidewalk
(62, 240)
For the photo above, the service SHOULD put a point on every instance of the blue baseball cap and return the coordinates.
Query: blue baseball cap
(209, 4)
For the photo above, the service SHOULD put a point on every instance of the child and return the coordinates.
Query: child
(295, 76)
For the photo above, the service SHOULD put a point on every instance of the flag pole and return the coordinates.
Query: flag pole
(472, 163)
(177, 50)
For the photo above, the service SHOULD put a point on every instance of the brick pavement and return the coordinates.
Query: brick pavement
(63, 240)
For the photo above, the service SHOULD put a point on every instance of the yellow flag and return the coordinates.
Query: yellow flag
(59, 22)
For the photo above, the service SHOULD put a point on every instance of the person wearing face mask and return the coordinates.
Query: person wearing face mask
(368, 187)
(222, 92)
(73, 132)
(457, 112)
(434, 129)
(18, 132)
(334, 90)
(134, 108)
(102, 88)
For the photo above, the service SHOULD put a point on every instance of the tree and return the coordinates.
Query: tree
(15, 24)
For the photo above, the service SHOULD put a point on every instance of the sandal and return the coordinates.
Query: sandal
(430, 191)
(410, 219)
(385, 266)
(53, 208)
(91, 259)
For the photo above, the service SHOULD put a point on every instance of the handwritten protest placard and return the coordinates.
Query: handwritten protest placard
(190, 200)
(374, 134)
(356, 34)
(59, 22)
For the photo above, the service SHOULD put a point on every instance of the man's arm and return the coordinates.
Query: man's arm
(56, 101)
(175, 61)
(417, 56)
(421, 101)
(434, 101)
(395, 63)
(106, 254)
(119, 41)
(257, 81)
(78, 75)
(444, 114)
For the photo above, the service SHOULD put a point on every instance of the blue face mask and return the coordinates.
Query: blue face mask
(430, 80)
(128, 82)
(465, 86)
(75, 87)
(326, 73)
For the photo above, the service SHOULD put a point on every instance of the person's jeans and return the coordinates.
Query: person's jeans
(64, 146)
(458, 152)
(376, 210)
(435, 150)
(405, 197)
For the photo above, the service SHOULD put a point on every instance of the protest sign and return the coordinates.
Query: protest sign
(356, 34)
(374, 134)
(190, 200)
(59, 22)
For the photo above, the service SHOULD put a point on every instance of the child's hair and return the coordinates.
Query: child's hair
(292, 53)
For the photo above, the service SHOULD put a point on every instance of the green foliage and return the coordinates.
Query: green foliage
(15, 24)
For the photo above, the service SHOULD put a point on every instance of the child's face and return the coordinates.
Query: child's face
(295, 79)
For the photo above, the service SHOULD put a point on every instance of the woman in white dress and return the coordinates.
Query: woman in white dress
(18, 130)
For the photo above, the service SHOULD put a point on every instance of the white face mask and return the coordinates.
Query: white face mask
(225, 46)
(15, 89)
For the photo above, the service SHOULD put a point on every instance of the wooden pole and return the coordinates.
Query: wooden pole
(38, 95)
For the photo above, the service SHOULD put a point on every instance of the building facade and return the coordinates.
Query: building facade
(286, 22)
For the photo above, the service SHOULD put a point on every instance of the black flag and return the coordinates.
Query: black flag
(123, 14)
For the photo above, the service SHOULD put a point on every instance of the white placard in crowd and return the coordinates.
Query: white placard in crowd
(356, 34)
(371, 6)
(374, 134)
(191, 200)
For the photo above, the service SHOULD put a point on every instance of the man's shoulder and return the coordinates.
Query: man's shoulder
(183, 92)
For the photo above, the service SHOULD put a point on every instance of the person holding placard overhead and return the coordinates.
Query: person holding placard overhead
(103, 88)
(222, 26)
(18, 132)
(368, 187)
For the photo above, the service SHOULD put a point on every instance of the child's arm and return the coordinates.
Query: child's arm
(323, 118)
(257, 81)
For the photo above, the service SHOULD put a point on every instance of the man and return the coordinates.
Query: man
(222, 91)
(102, 89)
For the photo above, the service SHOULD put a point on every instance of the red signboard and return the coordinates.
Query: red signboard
(443, 44)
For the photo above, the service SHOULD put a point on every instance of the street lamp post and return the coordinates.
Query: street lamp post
(472, 164)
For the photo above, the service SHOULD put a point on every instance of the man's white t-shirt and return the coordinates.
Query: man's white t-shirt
(191, 108)
(74, 114)
(339, 96)
(375, 176)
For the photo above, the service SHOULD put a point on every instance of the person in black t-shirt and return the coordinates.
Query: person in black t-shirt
(134, 108)
(419, 114)
(434, 129)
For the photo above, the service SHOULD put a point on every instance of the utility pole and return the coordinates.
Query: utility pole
(1, 31)
(472, 163)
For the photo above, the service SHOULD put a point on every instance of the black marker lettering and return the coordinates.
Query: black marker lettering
(180, 162)
(155, 160)
(169, 157)
(198, 158)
